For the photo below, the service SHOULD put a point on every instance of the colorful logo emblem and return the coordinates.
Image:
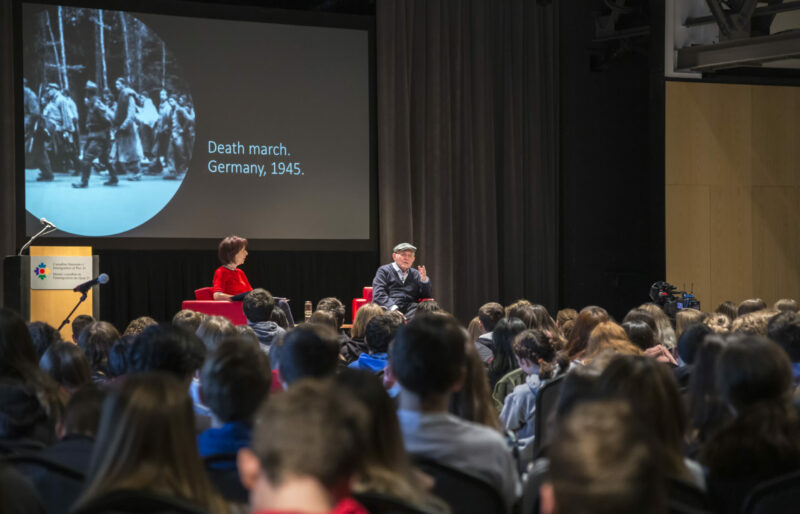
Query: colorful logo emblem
(42, 271)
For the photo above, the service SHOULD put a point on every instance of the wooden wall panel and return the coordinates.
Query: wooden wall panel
(735, 151)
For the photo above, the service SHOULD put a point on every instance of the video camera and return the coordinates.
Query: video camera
(670, 300)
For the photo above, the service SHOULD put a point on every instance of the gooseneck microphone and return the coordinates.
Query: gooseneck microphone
(102, 278)
(48, 227)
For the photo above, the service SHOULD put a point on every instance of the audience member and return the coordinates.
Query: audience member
(427, 307)
(213, 329)
(95, 341)
(536, 357)
(750, 305)
(280, 319)
(607, 339)
(473, 400)
(503, 360)
(664, 330)
(258, 305)
(80, 322)
(386, 469)
(603, 462)
(587, 319)
(565, 315)
(324, 318)
(784, 329)
(308, 351)
(43, 336)
(334, 306)
(690, 341)
(67, 365)
(753, 323)
(707, 411)
(380, 332)
(308, 447)
(787, 304)
(188, 320)
(427, 359)
(234, 381)
(356, 346)
(489, 315)
(475, 329)
(167, 349)
(686, 318)
(145, 444)
(640, 334)
(754, 379)
(136, 326)
(77, 431)
(718, 323)
(118, 356)
(727, 308)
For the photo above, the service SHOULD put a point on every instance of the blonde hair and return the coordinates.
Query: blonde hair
(686, 317)
(664, 330)
(753, 323)
(363, 316)
(718, 323)
(609, 336)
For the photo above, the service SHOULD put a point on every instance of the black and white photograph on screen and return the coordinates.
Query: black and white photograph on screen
(109, 119)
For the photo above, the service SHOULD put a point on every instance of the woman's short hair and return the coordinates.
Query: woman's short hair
(229, 247)
(363, 315)
(95, 341)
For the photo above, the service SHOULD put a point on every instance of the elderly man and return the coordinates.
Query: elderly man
(397, 286)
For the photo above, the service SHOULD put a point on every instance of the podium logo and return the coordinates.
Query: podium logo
(42, 271)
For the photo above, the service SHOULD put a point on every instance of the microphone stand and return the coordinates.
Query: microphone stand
(46, 230)
(66, 320)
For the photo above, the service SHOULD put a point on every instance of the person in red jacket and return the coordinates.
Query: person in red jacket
(229, 280)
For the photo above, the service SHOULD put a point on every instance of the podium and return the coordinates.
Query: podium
(39, 286)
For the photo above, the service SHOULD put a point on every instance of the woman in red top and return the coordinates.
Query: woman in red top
(228, 279)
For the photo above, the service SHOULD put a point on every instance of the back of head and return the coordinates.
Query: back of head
(188, 320)
(235, 380)
(334, 306)
(608, 337)
(489, 314)
(311, 430)
(279, 318)
(787, 304)
(565, 315)
(427, 307)
(67, 365)
(118, 356)
(690, 341)
(640, 334)
(686, 318)
(428, 356)
(380, 332)
(653, 393)
(213, 329)
(258, 305)
(146, 441)
(664, 330)
(639, 314)
(718, 323)
(475, 329)
(753, 323)
(587, 319)
(503, 360)
(82, 414)
(603, 462)
(750, 305)
(308, 351)
(325, 318)
(751, 370)
(525, 313)
(80, 322)
(22, 415)
(43, 336)
(784, 329)
(95, 341)
(534, 346)
(728, 308)
(164, 348)
(137, 326)
(511, 308)
(17, 353)
(363, 315)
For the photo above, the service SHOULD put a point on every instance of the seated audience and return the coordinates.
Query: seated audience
(784, 329)
(727, 308)
(43, 336)
(145, 446)
(297, 466)
(136, 326)
(640, 334)
(566, 318)
(587, 319)
(664, 329)
(489, 315)
(234, 380)
(258, 305)
(80, 322)
(607, 339)
(753, 323)
(473, 401)
(188, 319)
(356, 346)
(754, 377)
(118, 356)
(427, 359)
(213, 329)
(308, 351)
(380, 332)
(67, 365)
(95, 341)
(536, 357)
(503, 361)
(334, 306)
(167, 349)
(603, 462)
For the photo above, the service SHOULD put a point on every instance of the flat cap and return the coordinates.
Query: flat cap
(404, 246)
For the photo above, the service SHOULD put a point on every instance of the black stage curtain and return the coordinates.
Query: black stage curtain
(468, 146)
(8, 203)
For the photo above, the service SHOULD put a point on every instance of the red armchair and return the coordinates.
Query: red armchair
(204, 302)
(366, 297)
